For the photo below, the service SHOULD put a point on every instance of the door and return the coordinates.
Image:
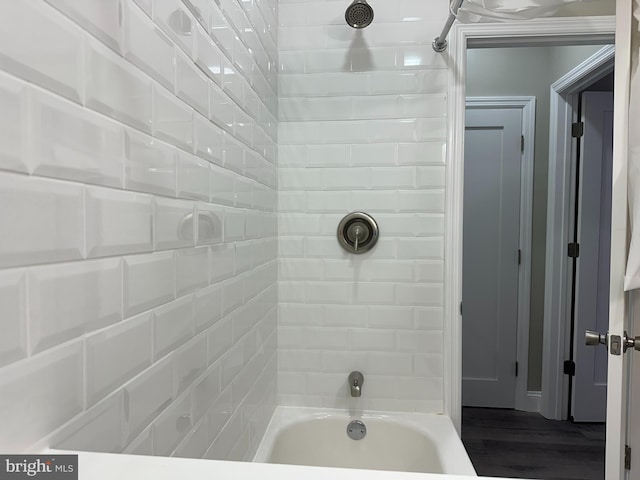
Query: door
(623, 419)
(589, 385)
(490, 258)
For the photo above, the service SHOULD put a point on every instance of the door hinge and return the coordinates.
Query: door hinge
(569, 367)
(627, 457)
(522, 144)
(519, 257)
(577, 129)
(573, 250)
(460, 308)
(516, 369)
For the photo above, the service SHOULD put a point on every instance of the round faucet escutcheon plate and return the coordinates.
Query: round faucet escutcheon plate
(356, 430)
(358, 232)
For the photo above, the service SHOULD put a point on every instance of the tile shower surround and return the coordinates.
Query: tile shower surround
(362, 127)
(138, 257)
(139, 179)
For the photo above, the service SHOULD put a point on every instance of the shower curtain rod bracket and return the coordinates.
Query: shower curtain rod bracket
(439, 45)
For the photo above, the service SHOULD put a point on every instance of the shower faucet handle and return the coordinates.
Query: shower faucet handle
(357, 233)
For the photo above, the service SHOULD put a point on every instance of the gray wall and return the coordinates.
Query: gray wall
(600, 7)
(528, 71)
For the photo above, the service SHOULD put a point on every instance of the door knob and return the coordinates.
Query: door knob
(630, 342)
(617, 345)
(594, 338)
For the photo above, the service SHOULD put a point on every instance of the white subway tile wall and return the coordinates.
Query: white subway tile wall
(138, 259)
(362, 128)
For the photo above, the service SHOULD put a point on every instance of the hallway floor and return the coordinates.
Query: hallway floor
(507, 443)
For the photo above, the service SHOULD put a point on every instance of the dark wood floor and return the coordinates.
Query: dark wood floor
(506, 443)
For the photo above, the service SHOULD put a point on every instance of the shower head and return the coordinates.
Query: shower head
(359, 14)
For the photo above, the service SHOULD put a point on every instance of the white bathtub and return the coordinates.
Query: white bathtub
(405, 442)
(107, 466)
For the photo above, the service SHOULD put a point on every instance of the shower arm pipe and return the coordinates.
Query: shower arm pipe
(440, 43)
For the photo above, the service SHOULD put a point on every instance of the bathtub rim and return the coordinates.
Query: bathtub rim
(451, 451)
(107, 466)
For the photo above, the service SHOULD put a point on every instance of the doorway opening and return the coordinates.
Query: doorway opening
(510, 227)
(500, 337)
(563, 341)
(586, 30)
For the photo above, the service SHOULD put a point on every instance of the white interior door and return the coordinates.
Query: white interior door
(491, 223)
(589, 396)
(623, 422)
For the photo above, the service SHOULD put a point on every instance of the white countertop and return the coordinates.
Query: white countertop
(105, 466)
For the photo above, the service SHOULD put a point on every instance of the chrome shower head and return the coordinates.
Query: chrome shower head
(359, 14)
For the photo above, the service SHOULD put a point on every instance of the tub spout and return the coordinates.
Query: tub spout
(356, 379)
(356, 390)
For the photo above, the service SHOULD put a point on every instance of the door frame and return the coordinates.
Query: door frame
(560, 224)
(574, 30)
(528, 106)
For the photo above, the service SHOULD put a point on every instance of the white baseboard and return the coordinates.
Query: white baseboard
(533, 402)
